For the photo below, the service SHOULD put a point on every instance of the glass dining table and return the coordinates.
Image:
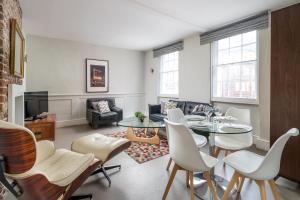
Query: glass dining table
(211, 129)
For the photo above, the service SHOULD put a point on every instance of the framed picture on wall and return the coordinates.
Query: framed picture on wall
(17, 46)
(96, 75)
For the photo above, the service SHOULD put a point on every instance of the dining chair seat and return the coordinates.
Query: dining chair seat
(232, 143)
(200, 140)
(210, 161)
(244, 162)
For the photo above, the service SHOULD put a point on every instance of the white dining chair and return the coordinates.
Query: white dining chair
(234, 142)
(259, 168)
(186, 156)
(176, 115)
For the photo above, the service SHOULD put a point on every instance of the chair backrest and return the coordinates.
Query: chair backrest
(175, 115)
(18, 147)
(270, 166)
(242, 115)
(183, 149)
(90, 101)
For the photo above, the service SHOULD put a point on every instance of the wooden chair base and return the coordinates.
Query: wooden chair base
(153, 140)
(189, 182)
(261, 184)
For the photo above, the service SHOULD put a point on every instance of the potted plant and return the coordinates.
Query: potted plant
(140, 116)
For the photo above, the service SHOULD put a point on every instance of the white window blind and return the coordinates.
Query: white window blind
(169, 74)
(234, 69)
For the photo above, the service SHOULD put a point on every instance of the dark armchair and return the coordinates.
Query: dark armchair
(95, 118)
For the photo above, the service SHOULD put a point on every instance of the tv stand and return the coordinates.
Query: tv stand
(43, 129)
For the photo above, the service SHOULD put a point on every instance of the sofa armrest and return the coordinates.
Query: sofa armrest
(116, 109)
(154, 109)
(119, 111)
(44, 149)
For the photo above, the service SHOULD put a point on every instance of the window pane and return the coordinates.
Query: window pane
(235, 55)
(223, 44)
(249, 52)
(249, 37)
(235, 41)
(223, 57)
(234, 67)
(169, 74)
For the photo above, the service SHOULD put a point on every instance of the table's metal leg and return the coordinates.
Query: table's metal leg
(202, 190)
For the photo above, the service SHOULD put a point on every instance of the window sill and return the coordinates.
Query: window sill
(171, 96)
(235, 100)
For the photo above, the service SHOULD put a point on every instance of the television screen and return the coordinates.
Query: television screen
(35, 103)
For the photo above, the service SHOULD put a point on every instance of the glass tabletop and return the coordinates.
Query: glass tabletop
(221, 128)
(136, 123)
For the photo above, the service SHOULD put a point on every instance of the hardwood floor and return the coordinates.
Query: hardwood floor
(147, 181)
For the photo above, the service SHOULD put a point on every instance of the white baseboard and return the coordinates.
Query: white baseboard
(72, 122)
(261, 143)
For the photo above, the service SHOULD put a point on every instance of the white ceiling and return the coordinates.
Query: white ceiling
(135, 24)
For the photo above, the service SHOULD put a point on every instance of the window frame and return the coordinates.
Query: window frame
(161, 95)
(236, 100)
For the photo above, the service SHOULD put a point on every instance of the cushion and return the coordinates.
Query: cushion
(157, 117)
(95, 105)
(62, 168)
(100, 145)
(198, 108)
(109, 115)
(103, 107)
(169, 105)
(162, 107)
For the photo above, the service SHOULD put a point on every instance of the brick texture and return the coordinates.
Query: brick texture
(9, 9)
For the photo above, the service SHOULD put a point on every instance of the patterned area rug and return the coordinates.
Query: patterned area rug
(142, 152)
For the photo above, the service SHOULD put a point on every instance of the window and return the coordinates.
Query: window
(169, 74)
(234, 69)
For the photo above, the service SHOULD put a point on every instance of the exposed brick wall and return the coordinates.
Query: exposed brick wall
(8, 9)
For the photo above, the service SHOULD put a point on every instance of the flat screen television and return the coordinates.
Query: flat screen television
(35, 103)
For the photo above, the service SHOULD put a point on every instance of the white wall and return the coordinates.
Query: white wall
(194, 81)
(58, 66)
(194, 70)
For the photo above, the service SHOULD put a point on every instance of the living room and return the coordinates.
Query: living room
(88, 87)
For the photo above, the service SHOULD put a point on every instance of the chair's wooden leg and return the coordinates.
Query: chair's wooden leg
(169, 164)
(191, 177)
(240, 186)
(171, 178)
(230, 185)
(262, 189)
(274, 189)
(187, 178)
(217, 152)
(211, 185)
(227, 152)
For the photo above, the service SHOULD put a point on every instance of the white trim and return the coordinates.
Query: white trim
(72, 122)
(16, 104)
(261, 143)
(97, 94)
(237, 100)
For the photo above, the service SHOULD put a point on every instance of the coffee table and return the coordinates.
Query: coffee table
(134, 123)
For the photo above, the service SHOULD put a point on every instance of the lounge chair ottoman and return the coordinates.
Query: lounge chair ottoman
(103, 147)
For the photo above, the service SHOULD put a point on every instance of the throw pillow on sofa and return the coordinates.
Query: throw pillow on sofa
(103, 107)
(198, 108)
(169, 105)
